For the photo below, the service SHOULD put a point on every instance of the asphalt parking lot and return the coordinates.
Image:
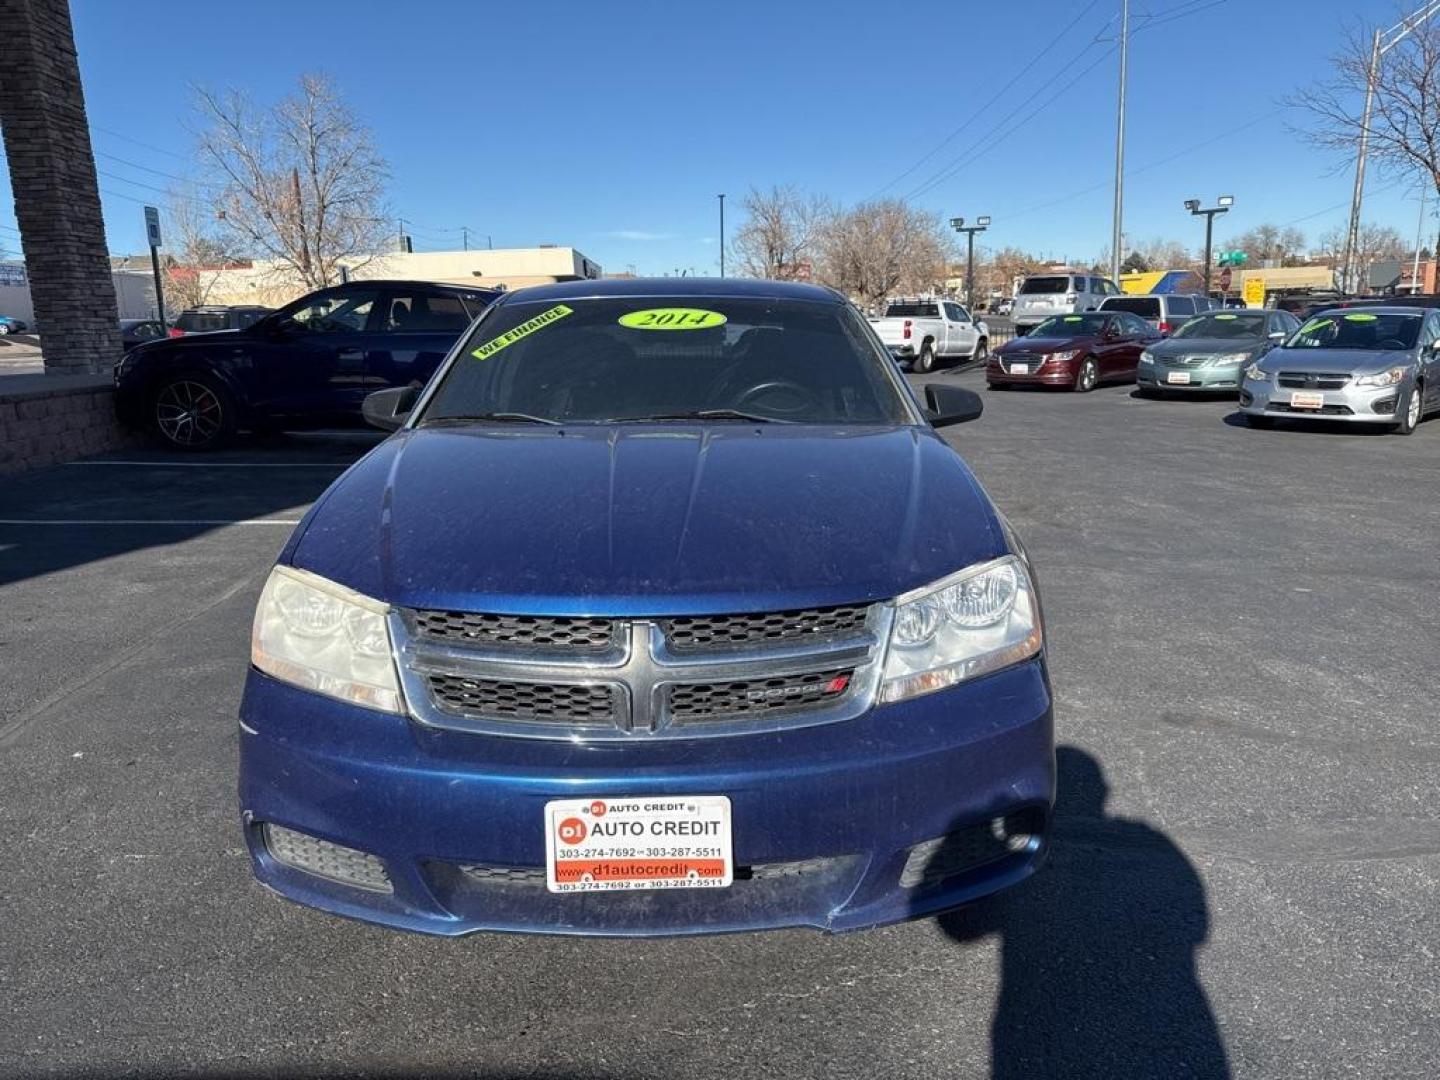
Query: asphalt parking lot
(1246, 877)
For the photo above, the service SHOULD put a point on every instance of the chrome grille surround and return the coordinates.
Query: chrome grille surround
(641, 673)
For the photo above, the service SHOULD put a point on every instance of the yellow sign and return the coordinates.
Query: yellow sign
(1254, 292)
(672, 318)
(526, 328)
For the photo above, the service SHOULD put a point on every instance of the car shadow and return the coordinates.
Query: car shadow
(1237, 419)
(1207, 397)
(1098, 974)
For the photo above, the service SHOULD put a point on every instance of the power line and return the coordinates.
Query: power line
(137, 142)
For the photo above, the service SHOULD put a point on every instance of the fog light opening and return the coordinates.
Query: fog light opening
(323, 859)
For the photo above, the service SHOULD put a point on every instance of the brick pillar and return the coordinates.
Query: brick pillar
(57, 201)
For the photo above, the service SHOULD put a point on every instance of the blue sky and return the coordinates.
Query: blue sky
(611, 126)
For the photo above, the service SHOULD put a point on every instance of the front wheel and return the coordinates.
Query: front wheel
(925, 362)
(192, 412)
(982, 351)
(4, 329)
(1410, 417)
(1088, 376)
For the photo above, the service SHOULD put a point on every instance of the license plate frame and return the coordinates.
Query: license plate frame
(1307, 399)
(1177, 378)
(638, 842)
(1019, 369)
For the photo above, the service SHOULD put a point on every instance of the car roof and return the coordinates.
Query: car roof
(1380, 309)
(410, 283)
(691, 287)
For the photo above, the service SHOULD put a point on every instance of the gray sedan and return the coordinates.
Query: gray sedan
(1210, 351)
(1378, 365)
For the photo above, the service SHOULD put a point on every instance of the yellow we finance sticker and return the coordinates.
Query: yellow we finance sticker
(525, 329)
(672, 318)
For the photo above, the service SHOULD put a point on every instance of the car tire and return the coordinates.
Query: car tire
(4, 329)
(925, 362)
(191, 412)
(1088, 377)
(1256, 421)
(982, 351)
(1413, 411)
(997, 386)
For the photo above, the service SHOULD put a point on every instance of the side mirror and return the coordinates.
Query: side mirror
(946, 405)
(389, 409)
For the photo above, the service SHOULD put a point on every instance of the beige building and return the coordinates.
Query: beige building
(271, 284)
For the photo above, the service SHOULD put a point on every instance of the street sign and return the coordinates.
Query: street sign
(1225, 279)
(1255, 292)
(152, 226)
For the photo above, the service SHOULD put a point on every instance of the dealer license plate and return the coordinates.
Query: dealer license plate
(638, 842)
(1181, 378)
(1019, 369)
(1307, 399)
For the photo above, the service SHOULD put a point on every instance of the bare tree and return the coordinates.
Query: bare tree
(1375, 242)
(198, 248)
(1405, 121)
(880, 247)
(997, 271)
(1270, 242)
(781, 231)
(300, 183)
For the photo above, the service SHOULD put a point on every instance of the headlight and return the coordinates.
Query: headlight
(1254, 374)
(312, 633)
(980, 620)
(1147, 357)
(1383, 378)
(1229, 358)
(1062, 356)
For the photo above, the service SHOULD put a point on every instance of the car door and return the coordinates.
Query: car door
(1429, 365)
(961, 336)
(416, 328)
(309, 358)
(1134, 334)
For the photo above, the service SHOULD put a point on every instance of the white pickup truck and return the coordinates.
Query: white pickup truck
(923, 332)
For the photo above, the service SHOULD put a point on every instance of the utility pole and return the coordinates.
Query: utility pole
(465, 236)
(1419, 235)
(1383, 42)
(722, 234)
(981, 224)
(1222, 206)
(1115, 232)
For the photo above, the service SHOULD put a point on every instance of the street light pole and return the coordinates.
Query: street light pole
(1222, 206)
(981, 224)
(722, 234)
(1116, 239)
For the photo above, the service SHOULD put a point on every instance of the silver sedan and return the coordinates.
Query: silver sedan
(1370, 365)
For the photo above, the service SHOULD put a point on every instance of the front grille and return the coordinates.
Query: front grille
(1323, 410)
(1312, 380)
(533, 877)
(504, 875)
(1032, 360)
(322, 858)
(528, 632)
(698, 702)
(699, 633)
(945, 857)
(560, 703)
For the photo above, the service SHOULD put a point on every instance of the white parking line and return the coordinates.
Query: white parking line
(149, 521)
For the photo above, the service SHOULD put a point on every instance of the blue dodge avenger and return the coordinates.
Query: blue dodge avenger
(665, 610)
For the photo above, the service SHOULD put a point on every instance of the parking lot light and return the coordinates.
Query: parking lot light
(1222, 205)
(958, 224)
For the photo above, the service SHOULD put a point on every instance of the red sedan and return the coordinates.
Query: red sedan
(1075, 351)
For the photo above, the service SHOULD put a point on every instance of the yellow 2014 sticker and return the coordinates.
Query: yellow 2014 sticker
(1225, 318)
(1361, 317)
(525, 329)
(1316, 324)
(672, 318)
(1073, 318)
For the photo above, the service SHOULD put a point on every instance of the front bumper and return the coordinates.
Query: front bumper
(1048, 373)
(1351, 404)
(1202, 379)
(835, 807)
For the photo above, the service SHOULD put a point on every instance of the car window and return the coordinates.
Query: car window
(249, 318)
(335, 313)
(1067, 326)
(901, 309)
(1181, 305)
(1039, 286)
(1145, 306)
(603, 359)
(1225, 325)
(424, 313)
(1369, 330)
(202, 322)
(953, 313)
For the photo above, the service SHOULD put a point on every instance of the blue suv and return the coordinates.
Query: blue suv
(310, 364)
(665, 610)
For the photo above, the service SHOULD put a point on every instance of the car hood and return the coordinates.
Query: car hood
(1339, 361)
(1030, 344)
(1205, 346)
(648, 521)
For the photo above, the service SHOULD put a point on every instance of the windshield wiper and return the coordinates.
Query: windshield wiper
(702, 414)
(498, 417)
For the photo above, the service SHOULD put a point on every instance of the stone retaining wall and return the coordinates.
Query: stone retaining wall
(45, 424)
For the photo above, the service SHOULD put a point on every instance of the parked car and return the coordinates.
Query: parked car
(1078, 352)
(1376, 365)
(1042, 295)
(310, 364)
(213, 317)
(1210, 351)
(11, 325)
(602, 616)
(138, 331)
(1004, 306)
(1164, 311)
(923, 332)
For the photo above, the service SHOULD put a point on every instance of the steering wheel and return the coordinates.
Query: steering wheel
(802, 398)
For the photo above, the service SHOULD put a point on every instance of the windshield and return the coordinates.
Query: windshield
(1225, 326)
(912, 311)
(1147, 307)
(1371, 330)
(1064, 326)
(638, 358)
(1037, 285)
